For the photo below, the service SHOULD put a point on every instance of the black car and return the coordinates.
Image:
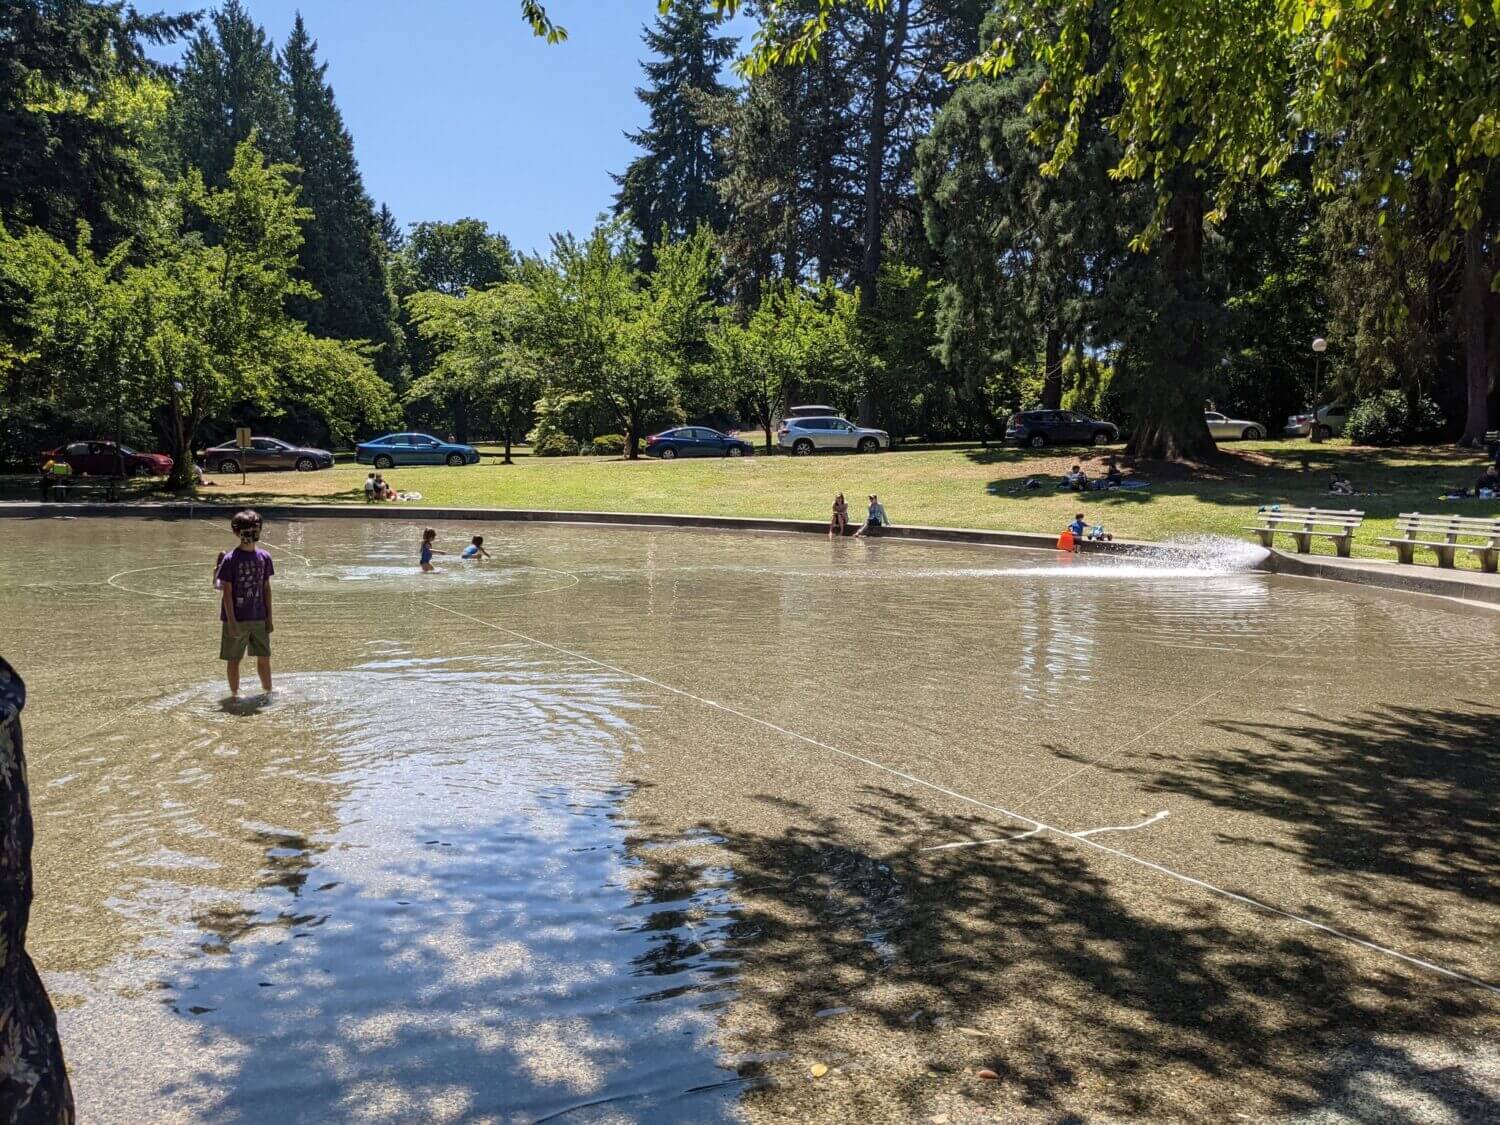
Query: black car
(1036, 428)
(696, 441)
(265, 453)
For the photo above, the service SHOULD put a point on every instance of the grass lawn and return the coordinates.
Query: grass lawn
(959, 486)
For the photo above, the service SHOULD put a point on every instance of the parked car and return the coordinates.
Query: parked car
(413, 449)
(1038, 428)
(265, 453)
(1232, 429)
(805, 436)
(695, 441)
(98, 459)
(1331, 421)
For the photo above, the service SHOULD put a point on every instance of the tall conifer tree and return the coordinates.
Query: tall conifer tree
(341, 250)
(671, 184)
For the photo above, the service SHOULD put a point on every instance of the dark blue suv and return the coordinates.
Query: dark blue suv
(1038, 428)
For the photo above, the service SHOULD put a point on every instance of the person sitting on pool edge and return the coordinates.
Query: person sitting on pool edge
(875, 519)
(838, 526)
(475, 549)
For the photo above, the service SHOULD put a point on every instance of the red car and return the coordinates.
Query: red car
(98, 459)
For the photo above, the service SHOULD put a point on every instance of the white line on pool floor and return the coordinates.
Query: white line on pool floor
(1037, 826)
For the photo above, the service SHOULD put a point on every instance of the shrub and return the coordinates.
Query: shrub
(609, 445)
(554, 445)
(1383, 420)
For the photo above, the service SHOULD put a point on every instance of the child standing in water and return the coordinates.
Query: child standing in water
(427, 552)
(245, 611)
(475, 549)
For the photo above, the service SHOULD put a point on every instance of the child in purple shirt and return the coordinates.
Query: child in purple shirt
(245, 577)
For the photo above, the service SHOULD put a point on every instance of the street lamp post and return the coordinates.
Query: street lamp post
(1319, 346)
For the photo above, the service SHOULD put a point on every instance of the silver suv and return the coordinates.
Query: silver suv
(806, 436)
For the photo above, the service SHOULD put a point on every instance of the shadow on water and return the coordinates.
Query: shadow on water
(500, 972)
(1086, 1000)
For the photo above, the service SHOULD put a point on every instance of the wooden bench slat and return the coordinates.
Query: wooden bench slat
(1453, 528)
(1306, 524)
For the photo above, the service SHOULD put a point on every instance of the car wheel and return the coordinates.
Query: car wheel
(1036, 441)
(734, 451)
(802, 447)
(1252, 433)
(868, 445)
(1101, 438)
(141, 471)
(228, 465)
(383, 461)
(669, 454)
(456, 459)
(1325, 432)
(306, 464)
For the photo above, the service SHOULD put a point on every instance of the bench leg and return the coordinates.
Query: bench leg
(1304, 542)
(1266, 537)
(1444, 557)
(1489, 559)
(1343, 545)
(1405, 553)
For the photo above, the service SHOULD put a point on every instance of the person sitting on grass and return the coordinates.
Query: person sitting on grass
(1340, 486)
(1076, 479)
(1113, 478)
(1488, 482)
(875, 520)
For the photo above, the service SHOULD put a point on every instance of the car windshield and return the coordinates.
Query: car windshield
(125, 449)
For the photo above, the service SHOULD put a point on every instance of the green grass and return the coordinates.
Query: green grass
(956, 486)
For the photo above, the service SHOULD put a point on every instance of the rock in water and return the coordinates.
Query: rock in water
(34, 1087)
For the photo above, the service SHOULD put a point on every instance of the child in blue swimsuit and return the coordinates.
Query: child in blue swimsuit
(427, 551)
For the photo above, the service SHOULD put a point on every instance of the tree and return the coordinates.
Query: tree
(449, 258)
(487, 346)
(625, 342)
(69, 140)
(341, 255)
(230, 87)
(669, 190)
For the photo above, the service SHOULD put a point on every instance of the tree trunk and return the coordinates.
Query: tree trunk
(461, 419)
(1475, 298)
(632, 441)
(506, 435)
(1052, 373)
(1169, 423)
(33, 1078)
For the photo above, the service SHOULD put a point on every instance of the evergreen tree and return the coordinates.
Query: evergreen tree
(341, 253)
(671, 186)
(230, 87)
(392, 237)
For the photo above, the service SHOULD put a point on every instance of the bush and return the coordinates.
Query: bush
(609, 445)
(1383, 420)
(554, 445)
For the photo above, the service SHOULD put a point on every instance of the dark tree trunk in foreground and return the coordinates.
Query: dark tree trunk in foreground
(1169, 423)
(1475, 298)
(1052, 373)
(33, 1080)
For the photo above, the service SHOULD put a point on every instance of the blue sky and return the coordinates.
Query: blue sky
(457, 110)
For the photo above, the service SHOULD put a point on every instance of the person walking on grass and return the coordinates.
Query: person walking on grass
(875, 519)
(427, 551)
(245, 608)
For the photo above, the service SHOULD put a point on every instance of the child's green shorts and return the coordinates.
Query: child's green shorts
(252, 635)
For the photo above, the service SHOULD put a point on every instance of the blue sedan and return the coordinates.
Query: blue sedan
(413, 449)
(696, 441)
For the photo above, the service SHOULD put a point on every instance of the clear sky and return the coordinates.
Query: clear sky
(457, 110)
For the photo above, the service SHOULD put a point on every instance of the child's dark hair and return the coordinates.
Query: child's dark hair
(244, 520)
(1079, 516)
(430, 533)
(478, 541)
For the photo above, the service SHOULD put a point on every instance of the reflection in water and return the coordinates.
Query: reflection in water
(444, 874)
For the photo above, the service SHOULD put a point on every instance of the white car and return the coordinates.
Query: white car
(1225, 428)
(805, 436)
(1331, 421)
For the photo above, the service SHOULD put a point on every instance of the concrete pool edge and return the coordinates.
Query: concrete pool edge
(1470, 587)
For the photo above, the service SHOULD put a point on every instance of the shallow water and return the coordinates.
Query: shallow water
(469, 860)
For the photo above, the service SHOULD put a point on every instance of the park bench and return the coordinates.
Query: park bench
(1441, 535)
(1306, 524)
(61, 488)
